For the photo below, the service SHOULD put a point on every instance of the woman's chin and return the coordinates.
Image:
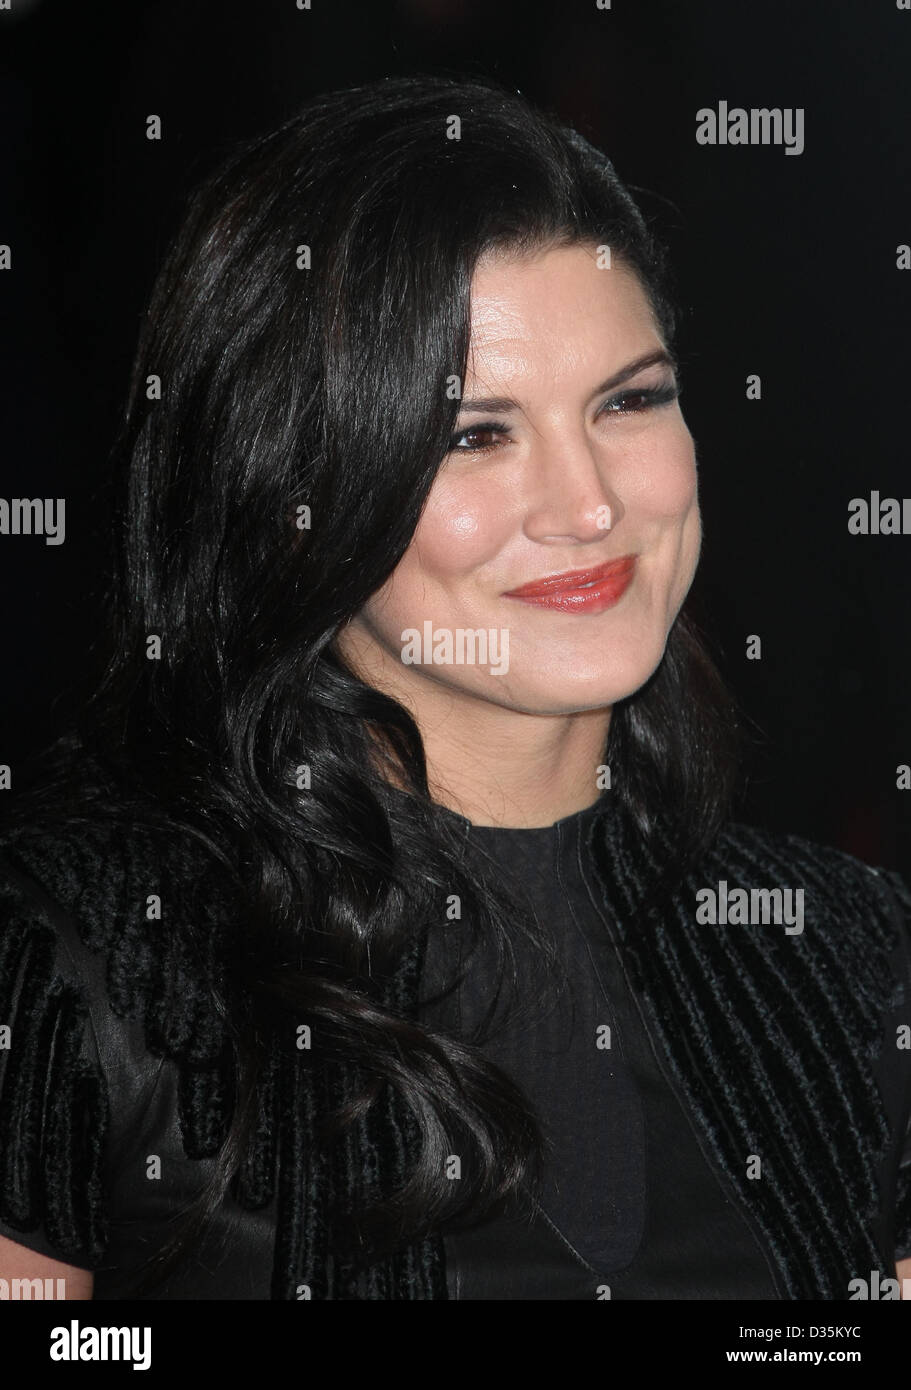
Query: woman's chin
(546, 691)
(565, 696)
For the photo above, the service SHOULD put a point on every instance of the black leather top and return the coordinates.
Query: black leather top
(633, 1207)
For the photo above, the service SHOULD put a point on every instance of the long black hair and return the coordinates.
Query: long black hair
(287, 414)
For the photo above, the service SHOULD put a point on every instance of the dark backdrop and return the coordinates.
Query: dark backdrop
(786, 266)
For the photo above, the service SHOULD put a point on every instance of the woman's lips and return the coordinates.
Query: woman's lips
(580, 591)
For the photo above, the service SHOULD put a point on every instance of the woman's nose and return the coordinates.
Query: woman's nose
(570, 492)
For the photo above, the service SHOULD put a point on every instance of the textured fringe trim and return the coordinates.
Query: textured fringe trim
(772, 1039)
(97, 879)
(53, 1108)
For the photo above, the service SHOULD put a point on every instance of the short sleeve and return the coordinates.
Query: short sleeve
(902, 1216)
(53, 1101)
(903, 1203)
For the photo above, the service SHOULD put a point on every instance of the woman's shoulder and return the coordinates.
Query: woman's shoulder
(107, 876)
(830, 871)
(765, 867)
(97, 992)
(120, 902)
(832, 890)
(54, 1097)
(69, 889)
(93, 869)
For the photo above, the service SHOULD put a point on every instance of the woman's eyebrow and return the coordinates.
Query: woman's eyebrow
(659, 356)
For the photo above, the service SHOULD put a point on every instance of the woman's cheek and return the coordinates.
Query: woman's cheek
(661, 480)
(460, 530)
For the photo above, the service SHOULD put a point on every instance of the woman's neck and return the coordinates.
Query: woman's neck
(517, 770)
(493, 764)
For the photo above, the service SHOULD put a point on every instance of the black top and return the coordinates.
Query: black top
(631, 1206)
(725, 1041)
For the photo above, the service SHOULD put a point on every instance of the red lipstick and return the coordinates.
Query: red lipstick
(580, 591)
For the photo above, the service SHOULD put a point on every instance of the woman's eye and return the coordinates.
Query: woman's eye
(630, 400)
(479, 437)
(634, 402)
(488, 434)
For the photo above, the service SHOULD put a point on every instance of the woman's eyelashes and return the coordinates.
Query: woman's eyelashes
(648, 395)
(629, 402)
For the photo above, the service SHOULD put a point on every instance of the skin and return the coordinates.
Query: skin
(16, 1262)
(521, 749)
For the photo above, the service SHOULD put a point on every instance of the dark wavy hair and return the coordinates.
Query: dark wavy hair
(303, 328)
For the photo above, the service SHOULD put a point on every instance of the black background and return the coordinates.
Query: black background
(786, 266)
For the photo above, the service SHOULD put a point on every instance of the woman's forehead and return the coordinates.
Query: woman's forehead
(530, 313)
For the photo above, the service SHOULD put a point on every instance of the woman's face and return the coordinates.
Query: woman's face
(551, 470)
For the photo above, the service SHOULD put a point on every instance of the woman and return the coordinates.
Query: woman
(383, 931)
